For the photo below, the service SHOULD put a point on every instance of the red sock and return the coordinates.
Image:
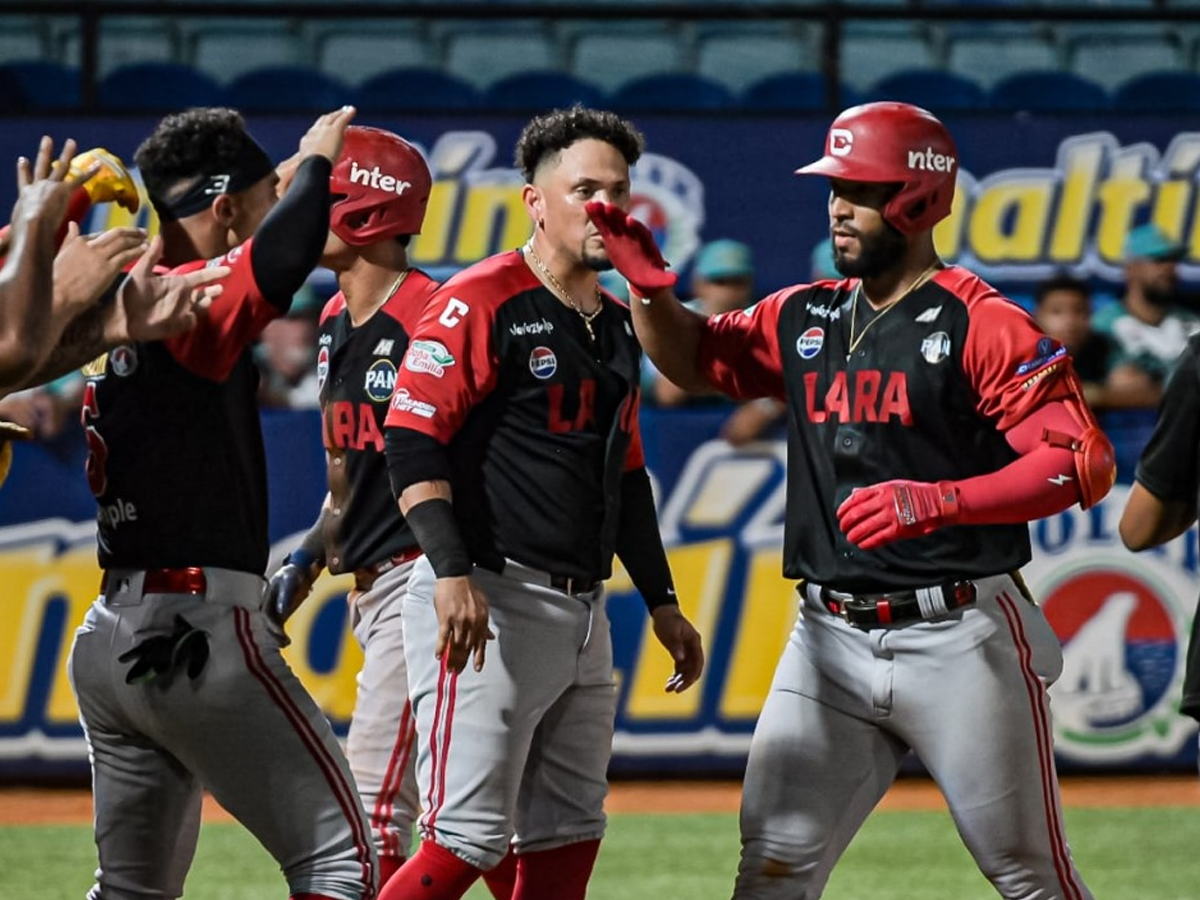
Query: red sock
(432, 873)
(388, 866)
(502, 880)
(558, 874)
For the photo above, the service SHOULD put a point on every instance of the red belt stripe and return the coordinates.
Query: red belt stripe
(1045, 743)
(346, 796)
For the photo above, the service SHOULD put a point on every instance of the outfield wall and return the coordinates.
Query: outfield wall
(1035, 194)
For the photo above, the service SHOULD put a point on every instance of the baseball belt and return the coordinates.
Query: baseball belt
(566, 584)
(364, 578)
(879, 610)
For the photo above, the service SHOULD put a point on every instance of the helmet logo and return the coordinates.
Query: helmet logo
(372, 177)
(841, 141)
(929, 160)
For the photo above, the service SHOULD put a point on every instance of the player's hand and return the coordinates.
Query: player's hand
(286, 590)
(152, 307)
(682, 641)
(86, 265)
(463, 633)
(631, 248)
(893, 510)
(44, 187)
(325, 136)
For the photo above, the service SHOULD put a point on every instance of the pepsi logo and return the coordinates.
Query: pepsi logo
(543, 363)
(322, 367)
(809, 344)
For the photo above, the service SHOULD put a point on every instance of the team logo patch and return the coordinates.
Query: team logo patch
(935, 347)
(123, 360)
(403, 401)
(929, 315)
(381, 380)
(429, 357)
(384, 347)
(1046, 353)
(809, 344)
(322, 367)
(543, 363)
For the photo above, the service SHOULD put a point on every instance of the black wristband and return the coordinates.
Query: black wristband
(311, 552)
(436, 530)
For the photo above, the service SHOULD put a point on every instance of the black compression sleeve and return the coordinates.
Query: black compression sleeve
(433, 523)
(288, 243)
(639, 542)
(413, 457)
(311, 552)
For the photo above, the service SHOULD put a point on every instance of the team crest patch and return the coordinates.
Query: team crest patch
(543, 363)
(322, 367)
(381, 380)
(124, 360)
(809, 344)
(429, 357)
(935, 347)
(1047, 352)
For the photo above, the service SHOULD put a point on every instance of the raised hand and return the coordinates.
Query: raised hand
(87, 265)
(631, 248)
(152, 307)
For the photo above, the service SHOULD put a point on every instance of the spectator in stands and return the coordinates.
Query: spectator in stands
(722, 281)
(287, 356)
(1062, 306)
(1148, 328)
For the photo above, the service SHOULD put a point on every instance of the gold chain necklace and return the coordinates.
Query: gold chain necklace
(588, 318)
(917, 282)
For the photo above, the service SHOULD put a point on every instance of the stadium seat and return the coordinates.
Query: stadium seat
(1111, 58)
(871, 51)
(738, 58)
(226, 51)
(151, 86)
(987, 52)
(122, 41)
(286, 89)
(932, 89)
(47, 86)
(482, 57)
(540, 91)
(1049, 91)
(669, 92)
(789, 92)
(1169, 91)
(416, 90)
(21, 38)
(610, 58)
(356, 54)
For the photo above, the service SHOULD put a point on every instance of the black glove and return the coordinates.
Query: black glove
(286, 590)
(164, 653)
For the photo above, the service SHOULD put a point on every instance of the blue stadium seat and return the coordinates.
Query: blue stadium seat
(46, 86)
(671, 91)
(416, 90)
(541, 91)
(286, 89)
(1166, 91)
(932, 89)
(789, 92)
(1048, 91)
(152, 86)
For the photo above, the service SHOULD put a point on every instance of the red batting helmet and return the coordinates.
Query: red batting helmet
(894, 142)
(380, 187)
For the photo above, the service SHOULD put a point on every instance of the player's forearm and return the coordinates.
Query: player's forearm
(27, 326)
(639, 542)
(288, 243)
(670, 335)
(1148, 521)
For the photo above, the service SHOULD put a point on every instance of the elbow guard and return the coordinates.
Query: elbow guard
(1095, 459)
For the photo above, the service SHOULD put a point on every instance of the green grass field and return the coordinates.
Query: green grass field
(1125, 854)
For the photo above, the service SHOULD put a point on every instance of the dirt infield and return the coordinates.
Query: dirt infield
(35, 806)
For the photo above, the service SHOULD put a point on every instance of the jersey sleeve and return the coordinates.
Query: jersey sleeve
(1168, 466)
(450, 364)
(235, 319)
(739, 350)
(1013, 367)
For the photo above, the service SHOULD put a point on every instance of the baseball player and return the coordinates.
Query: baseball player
(1163, 500)
(177, 669)
(380, 189)
(513, 445)
(929, 421)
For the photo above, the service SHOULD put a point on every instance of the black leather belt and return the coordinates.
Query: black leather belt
(897, 607)
(566, 584)
(168, 581)
(364, 578)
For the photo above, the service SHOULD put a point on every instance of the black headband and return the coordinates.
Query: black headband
(251, 166)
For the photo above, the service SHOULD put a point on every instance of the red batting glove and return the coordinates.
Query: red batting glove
(893, 510)
(631, 248)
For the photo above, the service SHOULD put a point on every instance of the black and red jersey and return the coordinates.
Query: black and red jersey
(540, 421)
(356, 369)
(926, 394)
(176, 455)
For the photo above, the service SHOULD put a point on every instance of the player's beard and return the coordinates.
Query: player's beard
(877, 253)
(1160, 297)
(597, 263)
